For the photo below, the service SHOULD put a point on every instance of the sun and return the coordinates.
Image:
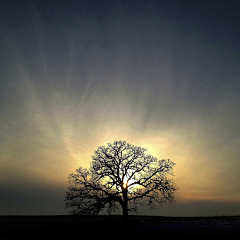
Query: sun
(127, 183)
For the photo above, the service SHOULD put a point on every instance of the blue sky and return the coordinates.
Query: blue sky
(163, 75)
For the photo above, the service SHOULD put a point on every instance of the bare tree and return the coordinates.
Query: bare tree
(123, 175)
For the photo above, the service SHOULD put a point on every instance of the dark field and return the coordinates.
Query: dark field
(112, 227)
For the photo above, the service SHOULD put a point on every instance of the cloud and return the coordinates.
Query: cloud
(199, 208)
(136, 78)
(31, 200)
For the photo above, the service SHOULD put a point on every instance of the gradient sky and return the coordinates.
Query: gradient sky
(163, 75)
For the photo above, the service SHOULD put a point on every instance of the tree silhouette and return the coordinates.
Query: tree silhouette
(120, 174)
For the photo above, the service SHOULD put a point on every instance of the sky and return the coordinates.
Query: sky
(75, 75)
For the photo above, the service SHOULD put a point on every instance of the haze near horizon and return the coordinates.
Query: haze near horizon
(163, 75)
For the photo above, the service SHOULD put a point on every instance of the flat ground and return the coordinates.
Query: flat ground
(112, 227)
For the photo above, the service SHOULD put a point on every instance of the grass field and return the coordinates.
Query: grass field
(112, 227)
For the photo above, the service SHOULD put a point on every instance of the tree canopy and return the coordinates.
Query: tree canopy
(120, 175)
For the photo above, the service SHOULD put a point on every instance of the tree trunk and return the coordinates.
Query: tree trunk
(125, 206)
(125, 211)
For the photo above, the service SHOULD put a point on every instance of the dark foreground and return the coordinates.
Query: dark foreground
(112, 227)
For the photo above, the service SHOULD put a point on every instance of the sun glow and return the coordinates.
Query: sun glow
(126, 183)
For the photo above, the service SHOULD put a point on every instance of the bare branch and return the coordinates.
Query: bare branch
(120, 173)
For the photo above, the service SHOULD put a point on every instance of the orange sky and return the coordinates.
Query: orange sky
(79, 77)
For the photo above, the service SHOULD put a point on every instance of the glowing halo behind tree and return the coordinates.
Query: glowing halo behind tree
(120, 174)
